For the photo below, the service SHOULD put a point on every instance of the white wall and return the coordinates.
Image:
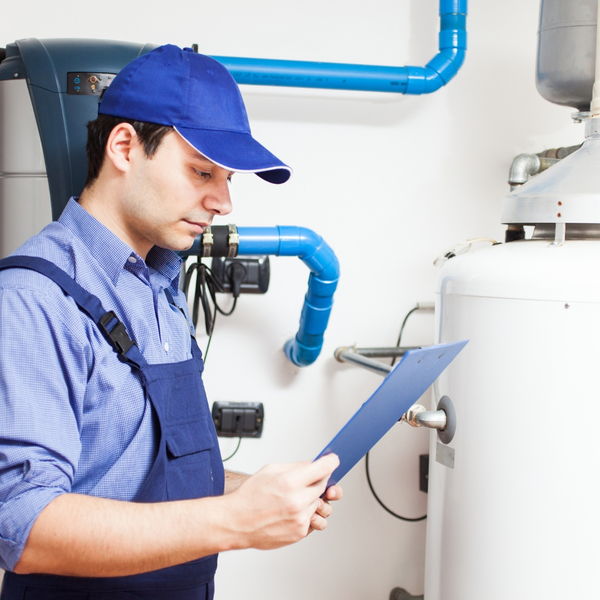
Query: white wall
(390, 182)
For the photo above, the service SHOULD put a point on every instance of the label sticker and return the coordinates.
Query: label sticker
(445, 455)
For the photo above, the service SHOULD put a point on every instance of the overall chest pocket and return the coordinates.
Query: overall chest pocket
(189, 472)
(192, 453)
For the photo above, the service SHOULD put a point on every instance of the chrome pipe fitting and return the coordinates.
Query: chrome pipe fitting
(345, 354)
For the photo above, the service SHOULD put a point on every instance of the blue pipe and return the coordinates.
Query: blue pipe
(403, 80)
(305, 347)
(317, 255)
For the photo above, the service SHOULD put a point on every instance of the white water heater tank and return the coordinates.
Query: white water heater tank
(514, 497)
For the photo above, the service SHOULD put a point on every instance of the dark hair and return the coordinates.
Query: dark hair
(149, 134)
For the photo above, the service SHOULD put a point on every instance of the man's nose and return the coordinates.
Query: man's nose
(219, 201)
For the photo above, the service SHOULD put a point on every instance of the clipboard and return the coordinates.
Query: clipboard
(409, 380)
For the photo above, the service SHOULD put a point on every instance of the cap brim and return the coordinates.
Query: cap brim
(236, 151)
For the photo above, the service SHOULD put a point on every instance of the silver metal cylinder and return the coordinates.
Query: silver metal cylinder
(344, 354)
(567, 52)
(394, 351)
(433, 419)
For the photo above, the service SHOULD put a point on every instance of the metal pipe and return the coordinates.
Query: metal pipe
(522, 168)
(418, 416)
(345, 354)
(385, 352)
(433, 419)
(562, 152)
(526, 165)
(403, 80)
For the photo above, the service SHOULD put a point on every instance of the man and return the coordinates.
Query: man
(111, 482)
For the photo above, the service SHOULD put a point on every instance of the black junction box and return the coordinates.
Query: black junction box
(238, 419)
(256, 273)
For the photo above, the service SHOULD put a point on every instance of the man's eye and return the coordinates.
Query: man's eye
(202, 174)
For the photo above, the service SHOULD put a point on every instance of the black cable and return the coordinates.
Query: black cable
(236, 449)
(410, 312)
(381, 503)
(209, 339)
(207, 286)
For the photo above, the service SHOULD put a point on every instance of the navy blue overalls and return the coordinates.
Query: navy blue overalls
(188, 464)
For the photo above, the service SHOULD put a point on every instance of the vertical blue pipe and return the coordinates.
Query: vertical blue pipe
(403, 80)
(317, 255)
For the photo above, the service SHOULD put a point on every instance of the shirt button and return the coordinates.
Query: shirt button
(132, 259)
(167, 347)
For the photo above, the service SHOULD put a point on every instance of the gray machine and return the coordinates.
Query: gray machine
(49, 90)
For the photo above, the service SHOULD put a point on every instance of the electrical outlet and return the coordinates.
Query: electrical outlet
(238, 419)
(257, 272)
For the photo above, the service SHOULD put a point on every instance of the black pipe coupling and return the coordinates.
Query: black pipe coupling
(216, 241)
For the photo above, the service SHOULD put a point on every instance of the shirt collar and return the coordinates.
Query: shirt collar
(110, 251)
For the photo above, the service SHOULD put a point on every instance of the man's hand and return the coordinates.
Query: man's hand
(86, 536)
(318, 521)
(281, 504)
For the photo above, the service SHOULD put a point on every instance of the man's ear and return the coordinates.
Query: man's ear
(122, 141)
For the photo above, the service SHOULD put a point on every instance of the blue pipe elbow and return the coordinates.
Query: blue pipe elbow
(317, 255)
(403, 80)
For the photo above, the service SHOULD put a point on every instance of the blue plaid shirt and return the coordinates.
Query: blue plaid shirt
(73, 418)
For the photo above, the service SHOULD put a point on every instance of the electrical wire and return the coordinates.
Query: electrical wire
(410, 312)
(381, 503)
(410, 520)
(234, 452)
(209, 339)
(207, 286)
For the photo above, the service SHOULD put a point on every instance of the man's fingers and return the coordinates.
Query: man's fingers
(317, 522)
(324, 509)
(334, 492)
(313, 473)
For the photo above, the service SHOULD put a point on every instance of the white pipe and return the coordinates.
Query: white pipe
(595, 106)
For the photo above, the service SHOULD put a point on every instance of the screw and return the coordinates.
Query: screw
(559, 203)
(567, 306)
(15, 75)
(559, 215)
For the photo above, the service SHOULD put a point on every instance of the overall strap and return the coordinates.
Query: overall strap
(108, 323)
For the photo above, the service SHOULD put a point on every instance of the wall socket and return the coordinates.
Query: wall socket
(238, 419)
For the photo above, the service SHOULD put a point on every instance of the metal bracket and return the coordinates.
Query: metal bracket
(233, 241)
(560, 235)
(207, 242)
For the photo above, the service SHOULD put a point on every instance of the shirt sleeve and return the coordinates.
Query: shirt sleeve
(43, 372)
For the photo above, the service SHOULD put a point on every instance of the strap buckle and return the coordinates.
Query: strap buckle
(117, 335)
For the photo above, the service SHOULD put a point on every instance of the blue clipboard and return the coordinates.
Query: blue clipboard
(409, 380)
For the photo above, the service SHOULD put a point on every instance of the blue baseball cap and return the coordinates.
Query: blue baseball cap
(198, 97)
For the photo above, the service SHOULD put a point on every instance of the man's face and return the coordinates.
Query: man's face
(172, 197)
